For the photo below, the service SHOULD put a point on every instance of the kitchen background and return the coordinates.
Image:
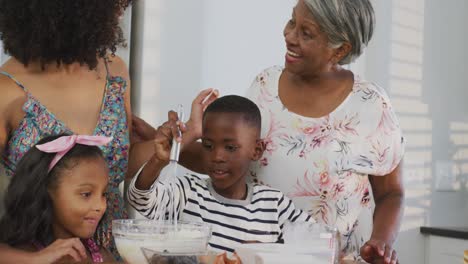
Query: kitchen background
(418, 53)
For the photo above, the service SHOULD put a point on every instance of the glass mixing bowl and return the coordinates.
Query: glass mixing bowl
(131, 235)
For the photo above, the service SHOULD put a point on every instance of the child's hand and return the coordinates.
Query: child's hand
(171, 129)
(199, 104)
(60, 249)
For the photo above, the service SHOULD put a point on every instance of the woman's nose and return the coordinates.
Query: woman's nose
(290, 36)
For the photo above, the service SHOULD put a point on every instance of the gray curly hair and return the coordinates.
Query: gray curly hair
(351, 21)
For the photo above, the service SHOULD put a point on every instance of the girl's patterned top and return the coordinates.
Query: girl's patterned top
(323, 163)
(38, 123)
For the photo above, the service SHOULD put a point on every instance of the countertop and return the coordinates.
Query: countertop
(450, 232)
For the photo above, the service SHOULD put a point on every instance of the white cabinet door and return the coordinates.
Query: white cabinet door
(442, 250)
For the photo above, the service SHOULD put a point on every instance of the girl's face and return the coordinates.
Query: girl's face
(79, 200)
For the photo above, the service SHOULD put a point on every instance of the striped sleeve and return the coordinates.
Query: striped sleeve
(288, 212)
(154, 202)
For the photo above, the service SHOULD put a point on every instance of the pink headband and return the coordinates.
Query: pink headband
(62, 145)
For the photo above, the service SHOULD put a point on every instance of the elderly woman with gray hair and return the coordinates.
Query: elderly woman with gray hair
(333, 143)
(332, 140)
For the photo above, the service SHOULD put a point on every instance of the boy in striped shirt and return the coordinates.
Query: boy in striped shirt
(237, 211)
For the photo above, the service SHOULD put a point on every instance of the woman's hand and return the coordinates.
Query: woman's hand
(142, 131)
(376, 251)
(199, 104)
(61, 250)
(224, 259)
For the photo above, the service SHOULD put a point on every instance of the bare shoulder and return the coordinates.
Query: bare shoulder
(11, 100)
(118, 67)
(9, 90)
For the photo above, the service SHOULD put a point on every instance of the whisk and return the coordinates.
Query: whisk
(168, 178)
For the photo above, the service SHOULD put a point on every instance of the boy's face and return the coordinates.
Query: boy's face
(79, 199)
(229, 146)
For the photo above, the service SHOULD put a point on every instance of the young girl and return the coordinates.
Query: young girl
(55, 201)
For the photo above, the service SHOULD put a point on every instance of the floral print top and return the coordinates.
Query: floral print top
(39, 122)
(323, 163)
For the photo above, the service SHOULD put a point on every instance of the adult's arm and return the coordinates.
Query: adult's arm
(190, 155)
(389, 196)
(11, 255)
(7, 101)
(117, 67)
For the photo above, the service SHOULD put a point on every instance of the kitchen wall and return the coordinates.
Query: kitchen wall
(418, 56)
(191, 45)
(166, 59)
(126, 25)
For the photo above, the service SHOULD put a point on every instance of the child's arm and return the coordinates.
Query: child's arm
(145, 192)
(61, 248)
(161, 148)
(11, 255)
(149, 202)
(288, 212)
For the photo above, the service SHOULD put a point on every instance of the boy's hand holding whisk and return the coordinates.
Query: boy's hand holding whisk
(171, 129)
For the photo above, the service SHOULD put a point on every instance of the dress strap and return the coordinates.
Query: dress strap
(16, 81)
(94, 250)
(106, 63)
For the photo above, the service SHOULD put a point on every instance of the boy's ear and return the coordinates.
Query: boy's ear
(259, 148)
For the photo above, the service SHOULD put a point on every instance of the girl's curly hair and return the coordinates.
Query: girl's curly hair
(61, 31)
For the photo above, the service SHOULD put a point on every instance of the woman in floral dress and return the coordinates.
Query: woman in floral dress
(333, 142)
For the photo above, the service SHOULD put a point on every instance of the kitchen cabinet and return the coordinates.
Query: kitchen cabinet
(445, 245)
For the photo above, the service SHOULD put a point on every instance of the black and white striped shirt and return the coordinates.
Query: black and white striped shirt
(260, 217)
